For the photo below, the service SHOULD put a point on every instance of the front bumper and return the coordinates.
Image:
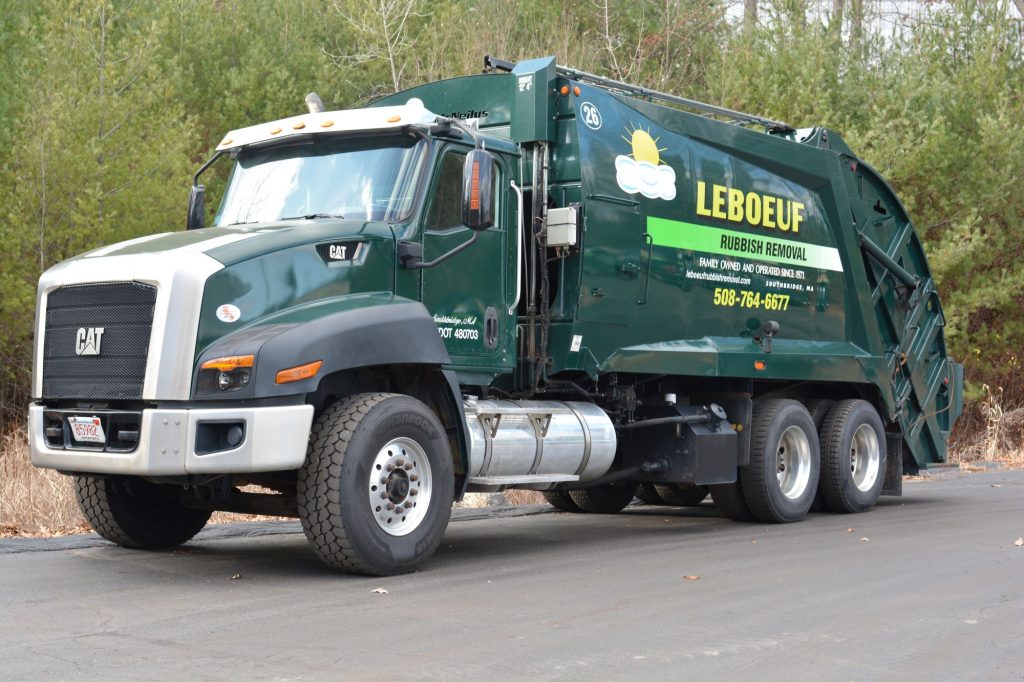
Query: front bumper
(275, 440)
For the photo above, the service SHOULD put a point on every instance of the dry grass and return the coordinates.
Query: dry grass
(33, 501)
(994, 433)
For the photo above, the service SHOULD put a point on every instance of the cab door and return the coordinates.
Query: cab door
(469, 294)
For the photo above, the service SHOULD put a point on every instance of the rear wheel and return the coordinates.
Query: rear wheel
(819, 409)
(560, 499)
(780, 483)
(728, 499)
(375, 493)
(647, 494)
(679, 496)
(604, 499)
(135, 513)
(852, 457)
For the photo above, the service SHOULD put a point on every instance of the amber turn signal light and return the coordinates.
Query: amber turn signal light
(229, 363)
(287, 376)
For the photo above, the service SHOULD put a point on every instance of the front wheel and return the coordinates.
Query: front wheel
(132, 512)
(780, 483)
(375, 493)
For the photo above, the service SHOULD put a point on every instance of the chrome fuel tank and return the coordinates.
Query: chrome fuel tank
(533, 442)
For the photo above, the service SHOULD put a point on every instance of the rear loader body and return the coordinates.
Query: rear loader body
(531, 278)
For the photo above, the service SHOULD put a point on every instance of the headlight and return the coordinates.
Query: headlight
(225, 374)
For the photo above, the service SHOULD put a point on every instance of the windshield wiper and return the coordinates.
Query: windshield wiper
(314, 216)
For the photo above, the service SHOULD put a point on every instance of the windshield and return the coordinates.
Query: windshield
(365, 178)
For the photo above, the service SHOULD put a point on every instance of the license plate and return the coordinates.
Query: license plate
(87, 429)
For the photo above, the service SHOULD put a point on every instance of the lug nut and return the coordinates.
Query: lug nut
(391, 467)
(408, 505)
(390, 506)
(408, 467)
(414, 478)
(414, 491)
(383, 496)
(400, 462)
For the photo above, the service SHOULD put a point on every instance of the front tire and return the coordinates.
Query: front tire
(780, 483)
(852, 457)
(375, 493)
(134, 513)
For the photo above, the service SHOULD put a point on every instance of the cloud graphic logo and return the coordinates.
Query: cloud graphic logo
(654, 182)
(642, 171)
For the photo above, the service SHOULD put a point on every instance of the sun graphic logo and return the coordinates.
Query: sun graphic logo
(644, 172)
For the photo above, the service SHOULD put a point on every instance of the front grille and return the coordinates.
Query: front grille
(125, 312)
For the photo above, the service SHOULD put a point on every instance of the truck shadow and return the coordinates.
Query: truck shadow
(483, 542)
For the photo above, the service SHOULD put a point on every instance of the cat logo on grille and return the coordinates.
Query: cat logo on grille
(87, 340)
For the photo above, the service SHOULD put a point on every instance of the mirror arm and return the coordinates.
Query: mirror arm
(419, 265)
(469, 130)
(202, 169)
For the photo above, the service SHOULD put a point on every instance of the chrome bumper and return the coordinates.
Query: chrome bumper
(275, 440)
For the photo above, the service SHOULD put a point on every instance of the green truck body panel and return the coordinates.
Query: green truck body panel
(696, 233)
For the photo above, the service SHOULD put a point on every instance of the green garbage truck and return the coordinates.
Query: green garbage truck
(532, 277)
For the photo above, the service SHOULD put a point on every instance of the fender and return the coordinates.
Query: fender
(363, 331)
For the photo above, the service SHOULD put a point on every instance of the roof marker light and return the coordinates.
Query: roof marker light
(298, 126)
(394, 119)
(326, 124)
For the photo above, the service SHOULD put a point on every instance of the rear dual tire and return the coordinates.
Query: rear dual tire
(853, 457)
(779, 484)
(671, 494)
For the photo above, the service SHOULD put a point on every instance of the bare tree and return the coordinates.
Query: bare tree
(749, 14)
(856, 21)
(613, 42)
(383, 29)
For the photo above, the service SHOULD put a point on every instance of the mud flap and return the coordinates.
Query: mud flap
(893, 465)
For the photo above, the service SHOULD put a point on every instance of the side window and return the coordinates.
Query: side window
(446, 207)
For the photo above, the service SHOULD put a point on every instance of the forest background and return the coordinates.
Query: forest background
(107, 107)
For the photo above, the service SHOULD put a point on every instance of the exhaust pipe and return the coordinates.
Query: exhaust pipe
(314, 103)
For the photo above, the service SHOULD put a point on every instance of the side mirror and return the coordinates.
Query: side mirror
(478, 190)
(196, 208)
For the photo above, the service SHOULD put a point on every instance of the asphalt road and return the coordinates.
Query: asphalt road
(928, 586)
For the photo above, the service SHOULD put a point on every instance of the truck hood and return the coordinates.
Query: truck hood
(230, 245)
(255, 272)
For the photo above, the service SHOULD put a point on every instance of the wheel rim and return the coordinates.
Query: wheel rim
(793, 458)
(400, 486)
(865, 456)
